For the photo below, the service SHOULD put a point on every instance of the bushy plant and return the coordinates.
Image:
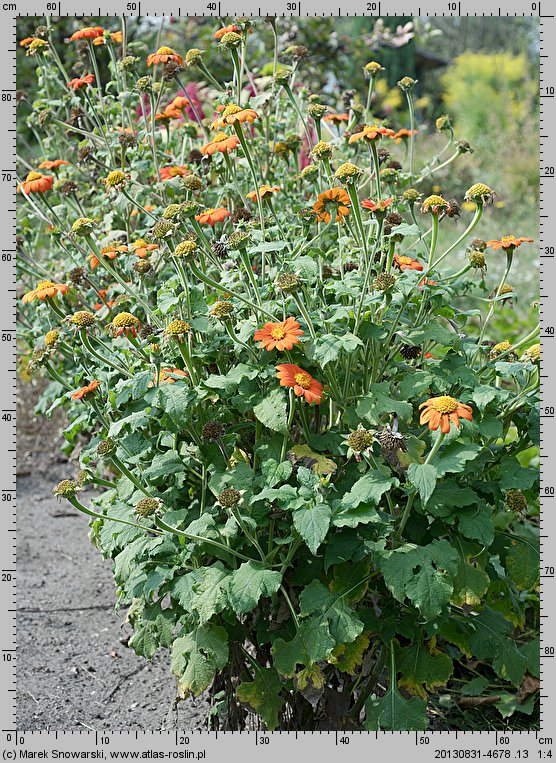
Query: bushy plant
(315, 461)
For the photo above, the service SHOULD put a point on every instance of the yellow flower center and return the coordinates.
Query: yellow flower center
(125, 319)
(140, 243)
(209, 211)
(44, 285)
(115, 178)
(501, 347)
(444, 404)
(220, 137)
(303, 380)
(164, 51)
(505, 239)
(34, 176)
(278, 332)
(435, 201)
(231, 108)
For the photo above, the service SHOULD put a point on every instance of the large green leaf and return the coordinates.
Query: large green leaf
(378, 402)
(523, 563)
(312, 643)
(421, 671)
(175, 400)
(423, 476)
(272, 411)
(210, 591)
(392, 712)
(471, 582)
(229, 382)
(197, 656)
(423, 574)
(312, 523)
(454, 457)
(263, 695)
(249, 583)
(328, 347)
(368, 489)
(492, 641)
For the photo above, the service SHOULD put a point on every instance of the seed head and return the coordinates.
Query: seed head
(82, 319)
(390, 440)
(177, 328)
(194, 56)
(410, 352)
(146, 507)
(347, 172)
(105, 447)
(128, 63)
(143, 85)
(186, 250)
(384, 282)
(241, 215)
(213, 430)
(443, 123)
(411, 195)
(238, 240)
(142, 267)
(359, 440)
(289, 283)
(317, 111)
(66, 488)
(83, 226)
(229, 498)
(322, 150)
(516, 501)
(477, 259)
(231, 40)
(162, 230)
(407, 83)
(480, 193)
(51, 337)
(192, 182)
(533, 354)
(223, 310)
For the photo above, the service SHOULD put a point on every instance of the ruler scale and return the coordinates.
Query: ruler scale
(211, 746)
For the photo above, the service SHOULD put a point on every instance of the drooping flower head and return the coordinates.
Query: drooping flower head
(406, 263)
(78, 82)
(36, 182)
(107, 252)
(87, 33)
(378, 207)
(334, 201)
(225, 30)
(212, 216)
(222, 143)
(266, 192)
(279, 336)
(45, 289)
(125, 323)
(370, 133)
(443, 410)
(300, 381)
(163, 55)
(52, 164)
(142, 249)
(403, 134)
(86, 390)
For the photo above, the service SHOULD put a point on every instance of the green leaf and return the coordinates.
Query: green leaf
(448, 495)
(197, 656)
(175, 400)
(151, 635)
(318, 463)
(423, 476)
(454, 457)
(333, 608)
(275, 473)
(406, 230)
(492, 641)
(483, 395)
(420, 671)
(368, 489)
(379, 402)
(164, 464)
(471, 582)
(392, 712)
(263, 695)
(423, 574)
(312, 524)
(249, 583)
(513, 476)
(312, 643)
(210, 591)
(522, 563)
(272, 411)
(231, 380)
(477, 523)
(328, 347)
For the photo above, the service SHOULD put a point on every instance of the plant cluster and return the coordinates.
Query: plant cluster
(315, 464)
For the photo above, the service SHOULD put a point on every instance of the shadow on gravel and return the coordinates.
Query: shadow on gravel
(74, 672)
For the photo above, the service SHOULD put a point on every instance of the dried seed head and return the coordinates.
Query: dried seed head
(359, 440)
(410, 352)
(218, 247)
(185, 250)
(76, 276)
(229, 498)
(142, 267)
(289, 283)
(105, 447)
(516, 501)
(390, 440)
(213, 430)
(241, 215)
(223, 310)
(146, 507)
(192, 182)
(66, 488)
(384, 282)
(162, 230)
(238, 240)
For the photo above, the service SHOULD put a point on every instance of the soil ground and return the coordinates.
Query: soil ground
(74, 670)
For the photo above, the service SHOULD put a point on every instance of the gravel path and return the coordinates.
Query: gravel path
(74, 670)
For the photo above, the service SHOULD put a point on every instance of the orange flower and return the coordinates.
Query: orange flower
(27, 41)
(79, 82)
(222, 143)
(264, 190)
(87, 33)
(372, 132)
(116, 37)
(429, 356)
(280, 336)
(336, 119)
(108, 252)
(50, 164)
(338, 198)
(173, 171)
(225, 29)
(403, 134)
(45, 289)
(36, 182)
(378, 206)
(427, 282)
(80, 394)
(211, 216)
(162, 56)
(165, 375)
(303, 383)
(509, 242)
(108, 303)
(233, 113)
(142, 249)
(125, 323)
(440, 411)
(406, 263)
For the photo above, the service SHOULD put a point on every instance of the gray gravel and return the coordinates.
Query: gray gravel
(74, 670)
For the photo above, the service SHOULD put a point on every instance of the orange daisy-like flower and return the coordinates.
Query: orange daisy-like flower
(222, 143)
(45, 289)
(371, 133)
(225, 30)
(509, 242)
(234, 113)
(36, 182)
(108, 252)
(406, 263)
(165, 376)
(440, 411)
(116, 37)
(142, 249)
(377, 206)
(338, 199)
(264, 191)
(303, 383)
(87, 33)
(211, 216)
(78, 82)
(173, 171)
(27, 41)
(403, 134)
(336, 119)
(162, 56)
(427, 282)
(80, 394)
(50, 164)
(279, 336)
